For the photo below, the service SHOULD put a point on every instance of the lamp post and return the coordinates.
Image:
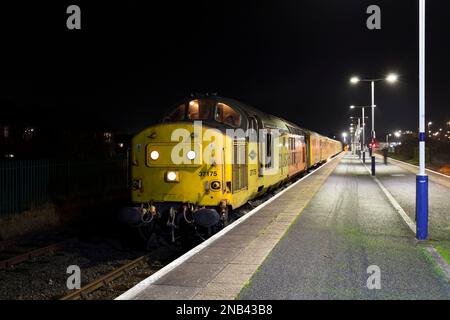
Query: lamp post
(422, 178)
(391, 78)
(387, 139)
(344, 135)
(363, 130)
(351, 129)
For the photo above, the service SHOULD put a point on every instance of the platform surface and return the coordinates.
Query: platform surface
(348, 226)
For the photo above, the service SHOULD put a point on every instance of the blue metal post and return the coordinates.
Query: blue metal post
(422, 178)
(422, 207)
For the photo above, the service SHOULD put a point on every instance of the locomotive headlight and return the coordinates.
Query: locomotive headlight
(191, 155)
(154, 155)
(172, 176)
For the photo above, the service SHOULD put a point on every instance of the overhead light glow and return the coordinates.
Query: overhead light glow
(392, 78)
(354, 80)
(352, 107)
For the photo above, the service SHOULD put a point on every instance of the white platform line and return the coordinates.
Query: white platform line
(394, 203)
(436, 256)
(412, 165)
(128, 295)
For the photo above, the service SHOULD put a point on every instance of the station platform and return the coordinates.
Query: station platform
(316, 240)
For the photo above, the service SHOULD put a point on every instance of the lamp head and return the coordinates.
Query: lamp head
(392, 78)
(354, 80)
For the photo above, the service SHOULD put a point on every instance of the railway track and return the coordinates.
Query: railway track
(104, 281)
(49, 249)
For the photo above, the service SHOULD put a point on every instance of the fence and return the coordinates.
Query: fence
(25, 184)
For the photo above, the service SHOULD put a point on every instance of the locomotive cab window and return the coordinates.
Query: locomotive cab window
(268, 160)
(200, 109)
(176, 115)
(227, 115)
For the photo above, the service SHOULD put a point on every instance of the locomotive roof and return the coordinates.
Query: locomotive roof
(268, 120)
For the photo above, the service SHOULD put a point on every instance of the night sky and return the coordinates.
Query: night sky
(131, 61)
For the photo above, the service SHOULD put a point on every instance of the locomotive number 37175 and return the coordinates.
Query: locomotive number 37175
(207, 173)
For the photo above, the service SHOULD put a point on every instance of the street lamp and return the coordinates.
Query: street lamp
(391, 78)
(363, 129)
(387, 139)
(344, 135)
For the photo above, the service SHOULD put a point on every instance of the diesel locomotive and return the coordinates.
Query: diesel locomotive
(209, 156)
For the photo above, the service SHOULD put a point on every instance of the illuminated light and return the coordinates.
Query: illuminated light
(344, 134)
(154, 155)
(392, 78)
(191, 155)
(398, 134)
(171, 176)
(430, 123)
(352, 107)
(354, 80)
(120, 145)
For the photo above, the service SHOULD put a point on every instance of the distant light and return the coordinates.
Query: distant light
(392, 78)
(344, 134)
(191, 155)
(354, 80)
(430, 123)
(352, 107)
(154, 155)
(120, 145)
(398, 134)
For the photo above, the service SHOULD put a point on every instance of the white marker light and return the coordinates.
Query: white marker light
(171, 176)
(154, 155)
(191, 155)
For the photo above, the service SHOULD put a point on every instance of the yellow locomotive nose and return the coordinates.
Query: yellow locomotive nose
(175, 171)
